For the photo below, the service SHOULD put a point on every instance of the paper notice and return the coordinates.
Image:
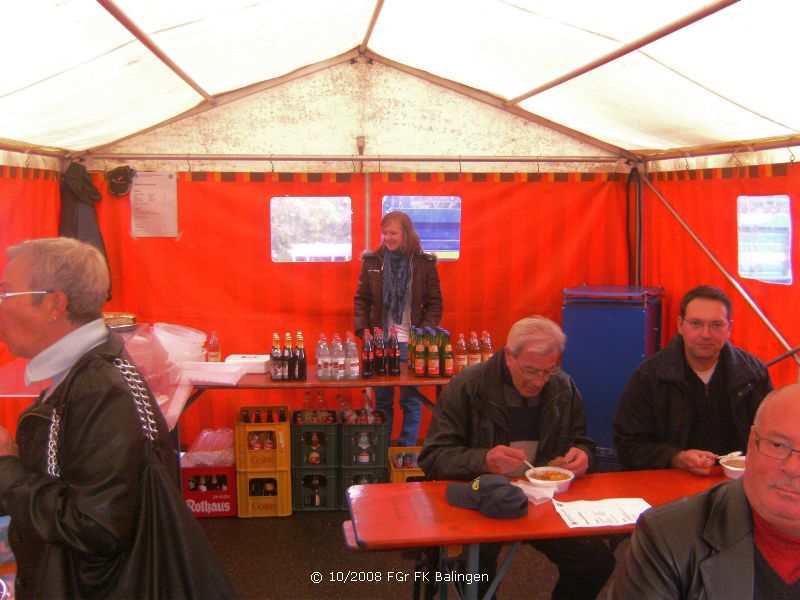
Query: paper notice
(601, 513)
(154, 205)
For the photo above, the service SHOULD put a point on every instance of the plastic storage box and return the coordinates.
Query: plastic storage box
(349, 476)
(210, 491)
(262, 446)
(315, 444)
(315, 489)
(264, 493)
(403, 464)
(363, 445)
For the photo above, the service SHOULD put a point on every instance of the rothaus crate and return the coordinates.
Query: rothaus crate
(262, 445)
(315, 438)
(350, 476)
(209, 491)
(363, 444)
(403, 465)
(264, 493)
(315, 488)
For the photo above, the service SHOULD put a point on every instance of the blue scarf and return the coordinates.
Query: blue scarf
(396, 279)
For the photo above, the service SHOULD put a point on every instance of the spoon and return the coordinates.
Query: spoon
(733, 454)
(532, 467)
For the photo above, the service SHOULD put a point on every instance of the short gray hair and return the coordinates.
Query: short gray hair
(70, 266)
(545, 335)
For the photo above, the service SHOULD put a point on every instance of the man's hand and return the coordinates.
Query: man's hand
(7, 445)
(698, 462)
(504, 459)
(577, 461)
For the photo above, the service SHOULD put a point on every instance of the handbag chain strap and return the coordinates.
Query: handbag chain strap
(141, 399)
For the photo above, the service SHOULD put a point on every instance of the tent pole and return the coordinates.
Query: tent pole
(724, 271)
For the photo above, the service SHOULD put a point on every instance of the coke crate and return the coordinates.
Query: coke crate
(315, 444)
(264, 493)
(403, 464)
(349, 476)
(363, 445)
(209, 491)
(262, 446)
(315, 489)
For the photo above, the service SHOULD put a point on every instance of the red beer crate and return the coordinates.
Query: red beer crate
(210, 491)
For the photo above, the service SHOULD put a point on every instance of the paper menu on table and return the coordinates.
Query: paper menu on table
(601, 513)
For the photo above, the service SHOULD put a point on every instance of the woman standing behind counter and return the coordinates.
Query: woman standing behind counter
(398, 287)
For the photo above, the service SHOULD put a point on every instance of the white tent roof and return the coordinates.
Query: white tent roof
(80, 75)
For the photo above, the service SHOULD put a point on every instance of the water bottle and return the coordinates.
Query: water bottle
(352, 357)
(337, 358)
(323, 358)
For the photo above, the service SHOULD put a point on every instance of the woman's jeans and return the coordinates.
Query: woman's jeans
(410, 403)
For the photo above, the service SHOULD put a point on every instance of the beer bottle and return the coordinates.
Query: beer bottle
(419, 358)
(257, 417)
(379, 364)
(300, 361)
(367, 356)
(394, 353)
(449, 363)
(276, 358)
(486, 346)
(288, 358)
(460, 354)
(245, 415)
(270, 418)
(473, 350)
(282, 415)
(433, 359)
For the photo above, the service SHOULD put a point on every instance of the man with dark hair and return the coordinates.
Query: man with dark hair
(520, 406)
(737, 540)
(694, 400)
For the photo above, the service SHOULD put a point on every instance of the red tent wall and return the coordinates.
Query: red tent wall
(706, 200)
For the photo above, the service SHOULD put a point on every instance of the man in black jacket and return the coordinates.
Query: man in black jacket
(519, 406)
(737, 540)
(694, 400)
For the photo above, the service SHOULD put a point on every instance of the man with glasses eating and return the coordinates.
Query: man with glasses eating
(520, 406)
(737, 540)
(695, 400)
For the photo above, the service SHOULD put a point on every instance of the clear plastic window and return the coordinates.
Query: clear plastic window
(765, 238)
(311, 228)
(437, 220)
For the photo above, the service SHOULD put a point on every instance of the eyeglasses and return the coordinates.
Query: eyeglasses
(4, 295)
(532, 373)
(774, 449)
(698, 325)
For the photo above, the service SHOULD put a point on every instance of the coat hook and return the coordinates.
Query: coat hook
(791, 155)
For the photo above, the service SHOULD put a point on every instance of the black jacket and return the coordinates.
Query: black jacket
(70, 534)
(654, 416)
(696, 548)
(470, 418)
(426, 294)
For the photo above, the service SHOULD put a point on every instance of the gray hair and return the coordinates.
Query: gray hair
(545, 335)
(792, 390)
(70, 266)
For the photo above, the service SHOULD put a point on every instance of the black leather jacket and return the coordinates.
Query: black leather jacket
(470, 418)
(654, 416)
(426, 294)
(70, 534)
(697, 548)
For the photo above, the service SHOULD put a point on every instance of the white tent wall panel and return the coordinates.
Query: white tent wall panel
(324, 114)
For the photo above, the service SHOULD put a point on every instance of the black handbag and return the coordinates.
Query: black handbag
(170, 557)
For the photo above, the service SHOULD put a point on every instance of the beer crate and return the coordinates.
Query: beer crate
(262, 446)
(403, 465)
(315, 444)
(363, 445)
(209, 491)
(315, 489)
(264, 493)
(349, 476)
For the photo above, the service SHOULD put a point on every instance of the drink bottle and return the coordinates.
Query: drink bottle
(486, 346)
(352, 359)
(276, 358)
(300, 360)
(473, 350)
(323, 358)
(433, 360)
(289, 370)
(449, 363)
(460, 354)
(367, 356)
(419, 358)
(379, 364)
(393, 353)
(257, 417)
(214, 349)
(270, 418)
(337, 358)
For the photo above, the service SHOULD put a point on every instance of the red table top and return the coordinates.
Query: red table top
(408, 515)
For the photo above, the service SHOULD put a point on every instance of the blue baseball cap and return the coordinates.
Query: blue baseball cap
(493, 495)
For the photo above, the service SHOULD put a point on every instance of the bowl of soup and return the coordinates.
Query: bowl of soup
(548, 477)
(733, 467)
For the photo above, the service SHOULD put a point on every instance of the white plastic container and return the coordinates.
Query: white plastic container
(182, 343)
(560, 485)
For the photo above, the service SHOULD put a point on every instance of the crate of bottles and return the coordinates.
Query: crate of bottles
(263, 439)
(315, 489)
(209, 491)
(315, 438)
(364, 444)
(264, 493)
(350, 476)
(403, 465)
